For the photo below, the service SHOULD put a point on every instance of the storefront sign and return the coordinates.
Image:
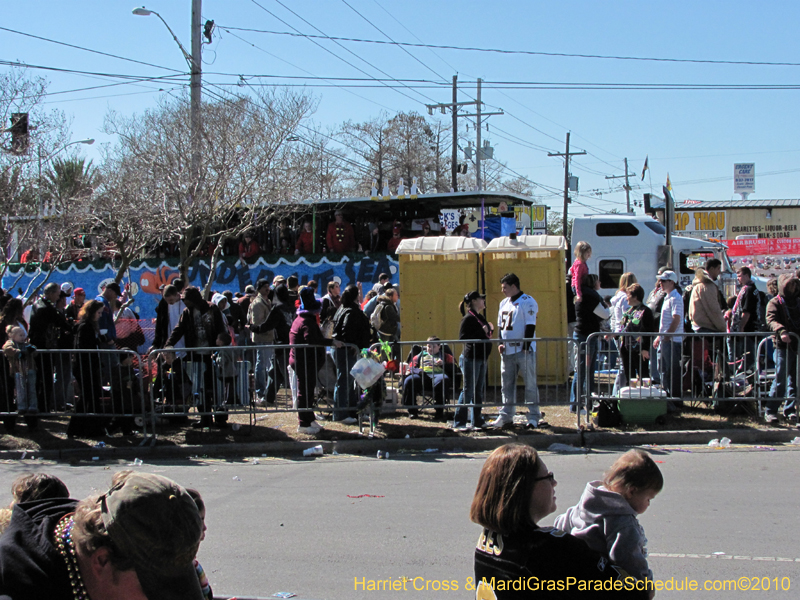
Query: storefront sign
(763, 246)
(700, 224)
(744, 178)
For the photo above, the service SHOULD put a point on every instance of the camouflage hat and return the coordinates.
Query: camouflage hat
(155, 523)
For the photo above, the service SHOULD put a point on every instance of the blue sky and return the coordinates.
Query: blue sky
(694, 135)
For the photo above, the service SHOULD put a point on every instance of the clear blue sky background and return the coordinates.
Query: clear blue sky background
(694, 135)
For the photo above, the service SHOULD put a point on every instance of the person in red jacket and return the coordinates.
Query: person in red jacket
(305, 241)
(248, 248)
(397, 237)
(340, 237)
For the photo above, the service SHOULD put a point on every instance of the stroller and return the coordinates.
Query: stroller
(368, 373)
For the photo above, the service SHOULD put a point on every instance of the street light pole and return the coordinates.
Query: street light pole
(195, 61)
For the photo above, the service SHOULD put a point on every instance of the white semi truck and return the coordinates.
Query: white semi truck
(637, 243)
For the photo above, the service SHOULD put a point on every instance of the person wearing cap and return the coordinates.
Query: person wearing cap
(516, 321)
(474, 326)
(74, 307)
(248, 248)
(706, 313)
(66, 287)
(350, 326)
(199, 326)
(394, 242)
(340, 236)
(136, 541)
(307, 357)
(48, 327)
(669, 345)
(168, 313)
(261, 335)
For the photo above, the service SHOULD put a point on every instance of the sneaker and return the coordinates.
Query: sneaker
(320, 417)
(313, 429)
(260, 402)
(349, 421)
(792, 418)
(500, 423)
(770, 418)
(534, 424)
(462, 427)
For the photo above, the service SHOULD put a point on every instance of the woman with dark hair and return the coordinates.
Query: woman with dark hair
(350, 326)
(515, 491)
(473, 360)
(433, 371)
(590, 311)
(635, 351)
(87, 372)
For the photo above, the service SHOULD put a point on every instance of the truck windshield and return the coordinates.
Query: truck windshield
(657, 227)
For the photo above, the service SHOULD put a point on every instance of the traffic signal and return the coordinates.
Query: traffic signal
(19, 133)
(462, 168)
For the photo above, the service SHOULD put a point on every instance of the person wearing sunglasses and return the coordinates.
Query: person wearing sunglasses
(515, 555)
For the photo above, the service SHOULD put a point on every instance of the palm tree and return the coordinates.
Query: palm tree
(68, 180)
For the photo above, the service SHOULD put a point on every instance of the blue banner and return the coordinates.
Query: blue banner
(146, 278)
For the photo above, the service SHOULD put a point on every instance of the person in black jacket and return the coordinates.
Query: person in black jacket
(473, 360)
(515, 558)
(171, 296)
(280, 320)
(635, 351)
(199, 326)
(589, 312)
(48, 326)
(350, 326)
(88, 374)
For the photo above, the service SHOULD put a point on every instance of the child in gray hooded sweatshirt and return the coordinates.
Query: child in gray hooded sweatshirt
(605, 517)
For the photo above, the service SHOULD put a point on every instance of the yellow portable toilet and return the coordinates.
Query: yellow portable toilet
(435, 273)
(538, 261)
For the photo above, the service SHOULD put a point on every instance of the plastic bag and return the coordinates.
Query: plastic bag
(366, 372)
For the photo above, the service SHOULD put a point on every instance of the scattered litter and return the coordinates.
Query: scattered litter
(718, 553)
(794, 442)
(137, 462)
(408, 436)
(264, 455)
(24, 454)
(284, 594)
(564, 448)
(264, 418)
(765, 448)
(431, 450)
(313, 451)
(255, 461)
(677, 450)
(382, 454)
(100, 445)
(236, 478)
(95, 458)
(723, 443)
(335, 453)
(236, 426)
(365, 496)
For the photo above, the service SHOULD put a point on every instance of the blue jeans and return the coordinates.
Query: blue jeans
(345, 395)
(670, 367)
(263, 359)
(26, 391)
(511, 365)
(587, 364)
(474, 370)
(784, 384)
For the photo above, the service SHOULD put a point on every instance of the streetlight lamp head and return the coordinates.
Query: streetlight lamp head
(142, 12)
(88, 142)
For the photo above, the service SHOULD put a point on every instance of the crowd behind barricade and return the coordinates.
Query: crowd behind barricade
(94, 360)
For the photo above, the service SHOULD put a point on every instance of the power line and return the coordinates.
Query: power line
(153, 91)
(531, 52)
(30, 35)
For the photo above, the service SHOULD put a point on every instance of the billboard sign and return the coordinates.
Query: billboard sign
(744, 178)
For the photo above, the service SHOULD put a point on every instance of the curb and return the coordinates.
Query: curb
(585, 440)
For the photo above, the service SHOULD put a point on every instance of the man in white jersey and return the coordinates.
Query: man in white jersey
(516, 321)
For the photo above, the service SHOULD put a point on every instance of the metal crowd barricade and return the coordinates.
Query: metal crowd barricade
(416, 387)
(101, 391)
(729, 371)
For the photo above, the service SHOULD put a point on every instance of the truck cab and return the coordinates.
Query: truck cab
(637, 243)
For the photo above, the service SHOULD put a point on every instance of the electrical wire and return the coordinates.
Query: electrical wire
(533, 52)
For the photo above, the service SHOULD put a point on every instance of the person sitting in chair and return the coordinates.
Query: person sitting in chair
(432, 370)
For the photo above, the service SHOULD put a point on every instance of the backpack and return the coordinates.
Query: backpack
(375, 318)
(605, 413)
(761, 311)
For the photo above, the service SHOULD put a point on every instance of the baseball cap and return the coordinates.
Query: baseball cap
(278, 280)
(77, 291)
(249, 289)
(668, 276)
(261, 283)
(66, 288)
(473, 295)
(155, 523)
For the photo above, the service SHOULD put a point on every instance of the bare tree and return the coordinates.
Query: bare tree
(244, 163)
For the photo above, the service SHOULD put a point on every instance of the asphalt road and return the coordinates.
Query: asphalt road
(316, 527)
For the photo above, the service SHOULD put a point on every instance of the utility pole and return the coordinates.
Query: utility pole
(454, 157)
(196, 89)
(454, 105)
(627, 185)
(566, 156)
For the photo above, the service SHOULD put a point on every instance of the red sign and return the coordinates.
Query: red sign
(762, 246)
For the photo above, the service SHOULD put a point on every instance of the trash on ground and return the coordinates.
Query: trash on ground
(564, 448)
(313, 451)
(431, 450)
(137, 462)
(236, 478)
(365, 496)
